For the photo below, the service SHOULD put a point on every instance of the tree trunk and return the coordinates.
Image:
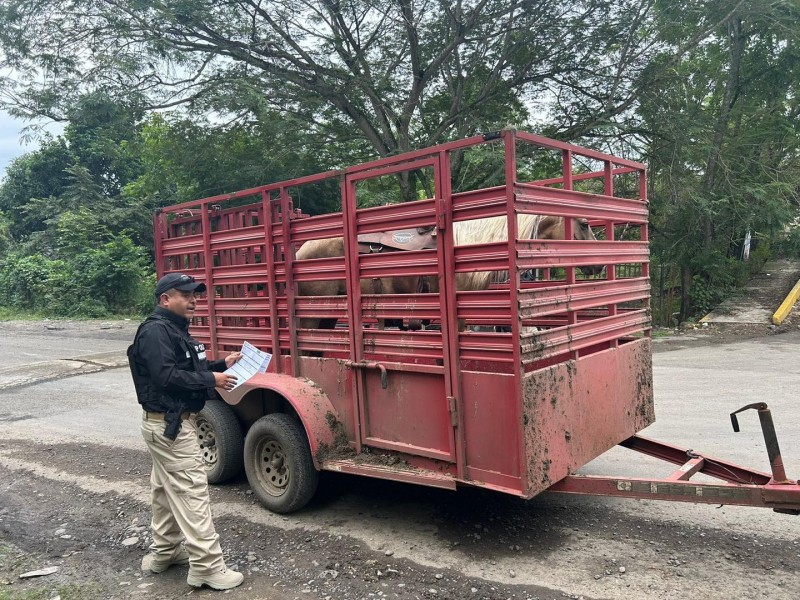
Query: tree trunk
(686, 286)
(732, 85)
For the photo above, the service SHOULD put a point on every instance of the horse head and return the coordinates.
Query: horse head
(552, 228)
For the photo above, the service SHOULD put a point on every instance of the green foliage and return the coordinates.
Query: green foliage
(39, 174)
(187, 159)
(725, 152)
(6, 240)
(111, 278)
(23, 280)
(787, 243)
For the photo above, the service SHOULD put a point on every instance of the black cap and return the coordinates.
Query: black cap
(178, 281)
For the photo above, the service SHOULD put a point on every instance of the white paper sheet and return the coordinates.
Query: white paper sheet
(253, 361)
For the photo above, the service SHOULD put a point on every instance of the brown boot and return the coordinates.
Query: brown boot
(221, 580)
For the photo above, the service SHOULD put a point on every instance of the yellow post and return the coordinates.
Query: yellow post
(786, 306)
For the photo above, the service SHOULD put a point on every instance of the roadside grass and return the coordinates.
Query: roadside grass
(658, 332)
(15, 314)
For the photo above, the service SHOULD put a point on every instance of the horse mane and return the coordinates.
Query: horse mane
(484, 231)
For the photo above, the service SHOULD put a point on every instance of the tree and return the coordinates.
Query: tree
(725, 145)
(404, 74)
(186, 159)
(39, 174)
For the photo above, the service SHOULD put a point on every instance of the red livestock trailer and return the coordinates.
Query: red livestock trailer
(440, 333)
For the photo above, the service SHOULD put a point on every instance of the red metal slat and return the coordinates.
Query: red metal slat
(272, 187)
(486, 346)
(255, 273)
(544, 344)
(182, 245)
(420, 344)
(481, 257)
(322, 340)
(425, 152)
(401, 306)
(399, 264)
(179, 219)
(235, 335)
(484, 306)
(540, 254)
(318, 269)
(320, 306)
(252, 239)
(242, 307)
(407, 163)
(584, 176)
(478, 204)
(199, 274)
(580, 151)
(254, 208)
(546, 301)
(569, 203)
(317, 227)
(562, 336)
(406, 215)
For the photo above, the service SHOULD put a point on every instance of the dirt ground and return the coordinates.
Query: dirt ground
(96, 538)
(95, 528)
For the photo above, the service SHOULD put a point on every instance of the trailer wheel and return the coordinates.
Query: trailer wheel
(278, 463)
(221, 441)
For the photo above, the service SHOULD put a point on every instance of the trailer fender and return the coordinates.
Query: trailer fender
(311, 404)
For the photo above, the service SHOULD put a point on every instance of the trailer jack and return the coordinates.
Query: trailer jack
(771, 441)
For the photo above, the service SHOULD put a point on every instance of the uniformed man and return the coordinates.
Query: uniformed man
(173, 380)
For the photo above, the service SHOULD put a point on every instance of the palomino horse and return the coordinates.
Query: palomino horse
(478, 231)
(333, 248)
(495, 229)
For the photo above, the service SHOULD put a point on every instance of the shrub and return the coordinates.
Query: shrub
(113, 278)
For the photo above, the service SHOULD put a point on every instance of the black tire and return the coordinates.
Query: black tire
(221, 441)
(277, 460)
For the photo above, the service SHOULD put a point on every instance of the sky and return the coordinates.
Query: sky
(9, 140)
(11, 144)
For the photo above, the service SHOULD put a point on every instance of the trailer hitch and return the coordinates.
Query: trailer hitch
(770, 439)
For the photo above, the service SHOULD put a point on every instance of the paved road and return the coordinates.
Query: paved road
(571, 545)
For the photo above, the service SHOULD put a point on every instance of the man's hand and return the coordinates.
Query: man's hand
(232, 358)
(224, 381)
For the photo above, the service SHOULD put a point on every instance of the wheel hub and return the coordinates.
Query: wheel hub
(274, 470)
(208, 442)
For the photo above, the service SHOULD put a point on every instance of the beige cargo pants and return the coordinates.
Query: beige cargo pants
(179, 497)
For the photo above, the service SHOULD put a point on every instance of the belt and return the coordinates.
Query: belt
(157, 416)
